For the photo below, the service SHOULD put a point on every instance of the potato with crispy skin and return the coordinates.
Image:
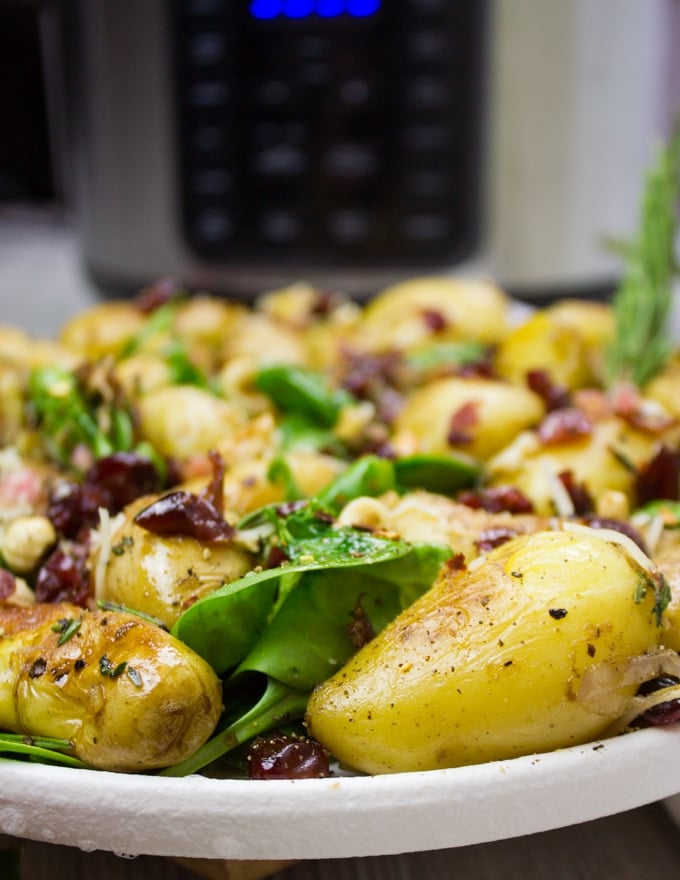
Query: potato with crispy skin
(497, 660)
(123, 691)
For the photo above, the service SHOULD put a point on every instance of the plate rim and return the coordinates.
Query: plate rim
(342, 816)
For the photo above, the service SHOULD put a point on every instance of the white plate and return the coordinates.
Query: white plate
(338, 817)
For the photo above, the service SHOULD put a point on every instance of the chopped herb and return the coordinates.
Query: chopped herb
(107, 668)
(134, 676)
(67, 627)
(125, 542)
(113, 606)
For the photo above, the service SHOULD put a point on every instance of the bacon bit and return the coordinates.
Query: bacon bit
(282, 756)
(659, 477)
(8, 584)
(579, 494)
(197, 465)
(183, 513)
(456, 562)
(491, 538)
(157, 294)
(367, 375)
(496, 499)
(553, 395)
(214, 491)
(360, 629)
(21, 488)
(464, 418)
(434, 320)
(628, 403)
(594, 403)
(564, 426)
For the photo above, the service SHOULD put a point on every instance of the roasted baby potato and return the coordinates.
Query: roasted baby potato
(489, 664)
(161, 575)
(124, 692)
(476, 416)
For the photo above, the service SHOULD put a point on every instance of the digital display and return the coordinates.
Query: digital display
(270, 9)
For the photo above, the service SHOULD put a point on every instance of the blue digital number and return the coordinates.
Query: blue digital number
(269, 9)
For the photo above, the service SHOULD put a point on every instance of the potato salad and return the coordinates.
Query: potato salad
(309, 535)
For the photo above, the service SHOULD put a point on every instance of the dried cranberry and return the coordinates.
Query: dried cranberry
(659, 477)
(281, 756)
(564, 425)
(183, 513)
(214, 491)
(74, 509)
(8, 584)
(121, 478)
(553, 395)
(491, 538)
(618, 525)
(496, 499)
(579, 494)
(64, 577)
(660, 715)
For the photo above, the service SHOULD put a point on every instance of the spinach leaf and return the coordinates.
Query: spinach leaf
(298, 390)
(223, 626)
(444, 474)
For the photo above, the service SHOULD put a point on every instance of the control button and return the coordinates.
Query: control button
(428, 6)
(428, 45)
(204, 7)
(279, 227)
(351, 160)
(208, 139)
(280, 161)
(426, 183)
(211, 182)
(427, 92)
(313, 46)
(272, 92)
(207, 48)
(208, 94)
(355, 92)
(313, 74)
(348, 227)
(426, 227)
(425, 138)
(214, 225)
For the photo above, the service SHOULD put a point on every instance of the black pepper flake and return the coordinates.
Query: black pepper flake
(79, 664)
(557, 613)
(38, 668)
(508, 663)
(591, 650)
(516, 574)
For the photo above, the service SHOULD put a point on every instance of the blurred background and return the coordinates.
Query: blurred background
(243, 144)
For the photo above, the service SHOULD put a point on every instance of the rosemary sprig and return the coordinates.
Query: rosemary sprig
(643, 300)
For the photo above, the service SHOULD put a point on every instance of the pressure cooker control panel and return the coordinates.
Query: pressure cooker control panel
(320, 131)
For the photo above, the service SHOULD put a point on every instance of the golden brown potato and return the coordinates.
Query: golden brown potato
(565, 340)
(490, 663)
(604, 461)
(476, 416)
(103, 329)
(161, 575)
(125, 693)
(414, 313)
(182, 420)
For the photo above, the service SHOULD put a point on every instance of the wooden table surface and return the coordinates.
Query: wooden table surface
(41, 283)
